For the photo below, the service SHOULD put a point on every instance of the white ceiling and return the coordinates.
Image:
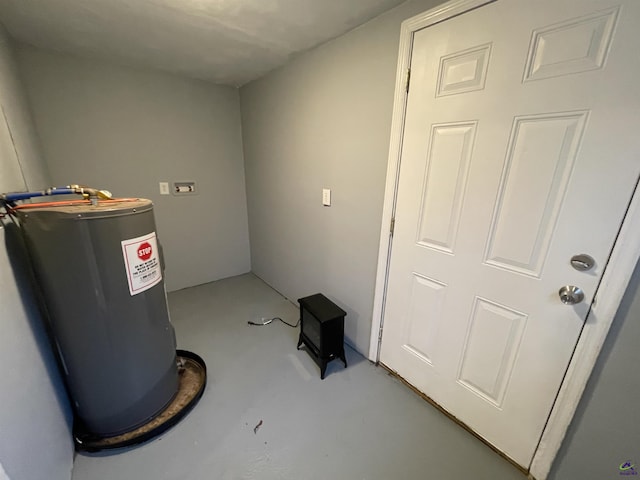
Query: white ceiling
(225, 41)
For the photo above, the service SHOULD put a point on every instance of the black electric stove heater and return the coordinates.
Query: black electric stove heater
(322, 330)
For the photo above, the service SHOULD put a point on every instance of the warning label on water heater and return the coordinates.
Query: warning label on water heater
(142, 263)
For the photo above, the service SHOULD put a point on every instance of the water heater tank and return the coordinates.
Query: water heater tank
(99, 268)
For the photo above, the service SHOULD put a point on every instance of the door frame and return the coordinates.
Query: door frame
(622, 262)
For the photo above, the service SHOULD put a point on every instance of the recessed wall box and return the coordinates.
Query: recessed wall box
(184, 188)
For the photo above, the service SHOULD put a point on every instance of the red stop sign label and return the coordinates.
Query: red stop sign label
(144, 251)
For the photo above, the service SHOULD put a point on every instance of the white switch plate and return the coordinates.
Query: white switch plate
(164, 188)
(326, 197)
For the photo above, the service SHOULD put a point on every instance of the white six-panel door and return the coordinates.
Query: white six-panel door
(521, 149)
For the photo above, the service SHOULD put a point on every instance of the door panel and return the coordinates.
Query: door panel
(425, 306)
(575, 46)
(540, 157)
(448, 161)
(519, 151)
(490, 348)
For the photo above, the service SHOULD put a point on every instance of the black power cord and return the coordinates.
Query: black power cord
(267, 321)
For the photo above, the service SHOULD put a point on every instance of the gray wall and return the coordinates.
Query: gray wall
(604, 432)
(126, 130)
(35, 438)
(321, 121)
(324, 120)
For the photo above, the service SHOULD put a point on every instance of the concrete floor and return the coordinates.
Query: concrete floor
(358, 423)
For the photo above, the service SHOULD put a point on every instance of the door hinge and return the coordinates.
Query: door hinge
(380, 336)
(392, 226)
(408, 79)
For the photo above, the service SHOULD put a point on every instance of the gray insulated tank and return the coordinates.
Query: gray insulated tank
(99, 269)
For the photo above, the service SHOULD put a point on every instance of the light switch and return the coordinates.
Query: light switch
(164, 188)
(326, 197)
